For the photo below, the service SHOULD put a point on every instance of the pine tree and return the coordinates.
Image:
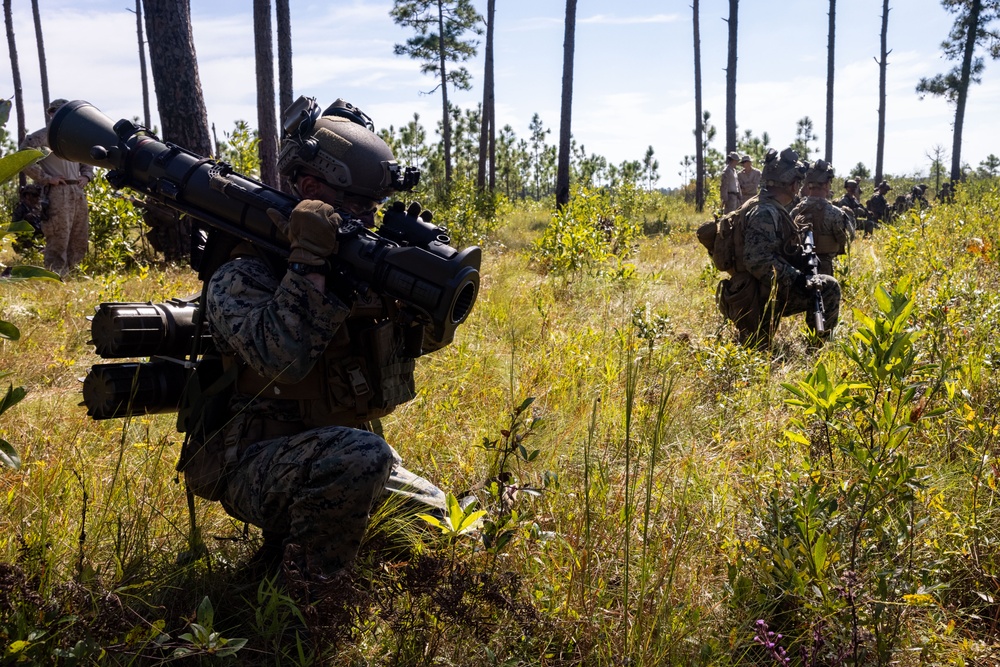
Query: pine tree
(971, 29)
(440, 26)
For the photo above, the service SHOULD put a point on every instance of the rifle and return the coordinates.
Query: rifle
(407, 260)
(812, 261)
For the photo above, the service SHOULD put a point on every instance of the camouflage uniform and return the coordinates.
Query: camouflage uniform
(300, 464)
(30, 209)
(66, 229)
(858, 211)
(832, 228)
(771, 256)
(879, 207)
(729, 190)
(945, 194)
(749, 183)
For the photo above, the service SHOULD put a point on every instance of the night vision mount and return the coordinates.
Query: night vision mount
(300, 120)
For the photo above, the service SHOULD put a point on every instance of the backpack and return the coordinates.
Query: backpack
(719, 236)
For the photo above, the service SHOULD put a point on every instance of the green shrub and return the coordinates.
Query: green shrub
(596, 226)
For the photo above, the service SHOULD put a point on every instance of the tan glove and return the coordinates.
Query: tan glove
(312, 232)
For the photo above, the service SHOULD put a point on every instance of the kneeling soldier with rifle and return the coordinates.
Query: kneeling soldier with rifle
(773, 277)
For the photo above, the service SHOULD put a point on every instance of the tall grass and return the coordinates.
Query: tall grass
(683, 489)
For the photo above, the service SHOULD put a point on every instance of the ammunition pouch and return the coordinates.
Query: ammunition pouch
(345, 389)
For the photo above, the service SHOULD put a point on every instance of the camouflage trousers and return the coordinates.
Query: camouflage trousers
(315, 488)
(756, 328)
(67, 228)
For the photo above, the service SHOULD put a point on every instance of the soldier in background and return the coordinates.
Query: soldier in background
(920, 196)
(67, 225)
(832, 228)
(944, 195)
(729, 187)
(771, 279)
(902, 204)
(923, 189)
(749, 179)
(30, 209)
(852, 201)
(879, 208)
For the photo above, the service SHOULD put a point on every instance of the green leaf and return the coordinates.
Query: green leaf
(33, 273)
(797, 437)
(206, 613)
(11, 165)
(432, 520)
(525, 404)
(5, 106)
(9, 456)
(13, 396)
(18, 227)
(470, 521)
(9, 331)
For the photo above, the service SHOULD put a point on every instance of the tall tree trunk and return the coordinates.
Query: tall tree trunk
(15, 72)
(487, 120)
(493, 137)
(830, 42)
(565, 131)
(734, 10)
(43, 68)
(882, 64)
(487, 132)
(963, 89)
(699, 150)
(179, 100)
(267, 126)
(285, 87)
(445, 116)
(142, 64)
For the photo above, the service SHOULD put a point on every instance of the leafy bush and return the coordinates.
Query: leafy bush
(471, 216)
(117, 230)
(835, 564)
(593, 228)
(239, 149)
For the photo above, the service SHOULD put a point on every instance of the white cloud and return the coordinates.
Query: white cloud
(604, 19)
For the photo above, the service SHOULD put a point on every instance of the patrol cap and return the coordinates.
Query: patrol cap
(819, 171)
(850, 183)
(745, 158)
(782, 168)
(54, 105)
(733, 156)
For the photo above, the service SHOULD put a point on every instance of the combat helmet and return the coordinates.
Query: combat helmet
(340, 146)
(782, 168)
(819, 171)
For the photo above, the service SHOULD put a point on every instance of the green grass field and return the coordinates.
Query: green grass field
(655, 494)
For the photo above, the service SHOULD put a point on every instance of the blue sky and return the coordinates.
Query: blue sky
(633, 84)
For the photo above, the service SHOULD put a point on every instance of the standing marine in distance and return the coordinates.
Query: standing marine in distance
(729, 186)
